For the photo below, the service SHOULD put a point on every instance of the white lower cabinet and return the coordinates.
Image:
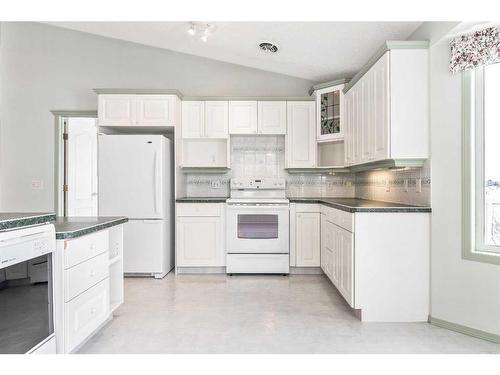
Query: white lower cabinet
(307, 240)
(200, 235)
(88, 285)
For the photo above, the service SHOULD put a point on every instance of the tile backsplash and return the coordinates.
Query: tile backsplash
(264, 156)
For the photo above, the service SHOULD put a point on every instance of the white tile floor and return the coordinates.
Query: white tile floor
(259, 314)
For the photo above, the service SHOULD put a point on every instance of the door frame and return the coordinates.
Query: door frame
(60, 153)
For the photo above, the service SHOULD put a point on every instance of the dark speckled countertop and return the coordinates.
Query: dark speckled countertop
(202, 200)
(15, 220)
(362, 205)
(72, 227)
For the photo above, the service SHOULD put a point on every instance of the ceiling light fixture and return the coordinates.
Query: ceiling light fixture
(268, 47)
(203, 28)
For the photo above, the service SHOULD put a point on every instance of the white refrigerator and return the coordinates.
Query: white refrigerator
(136, 181)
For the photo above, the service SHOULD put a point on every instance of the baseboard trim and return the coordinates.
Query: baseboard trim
(306, 271)
(465, 330)
(200, 270)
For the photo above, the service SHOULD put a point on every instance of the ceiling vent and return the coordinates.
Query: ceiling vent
(268, 47)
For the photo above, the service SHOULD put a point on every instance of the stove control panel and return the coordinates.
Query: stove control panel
(258, 183)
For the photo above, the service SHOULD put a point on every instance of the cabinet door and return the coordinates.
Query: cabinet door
(216, 119)
(308, 239)
(348, 128)
(155, 110)
(357, 107)
(333, 246)
(380, 72)
(366, 118)
(346, 262)
(329, 113)
(323, 242)
(271, 117)
(243, 117)
(116, 110)
(199, 242)
(300, 135)
(193, 119)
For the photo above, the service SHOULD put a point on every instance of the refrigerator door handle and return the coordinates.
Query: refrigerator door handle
(157, 182)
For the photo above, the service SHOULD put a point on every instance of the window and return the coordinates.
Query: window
(481, 164)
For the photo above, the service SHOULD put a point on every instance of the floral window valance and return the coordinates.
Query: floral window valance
(475, 49)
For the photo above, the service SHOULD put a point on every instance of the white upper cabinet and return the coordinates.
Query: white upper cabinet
(243, 117)
(155, 110)
(204, 119)
(116, 110)
(193, 119)
(300, 136)
(271, 117)
(137, 110)
(386, 110)
(216, 119)
(329, 113)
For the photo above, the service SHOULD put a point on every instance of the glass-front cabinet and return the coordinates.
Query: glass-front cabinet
(329, 109)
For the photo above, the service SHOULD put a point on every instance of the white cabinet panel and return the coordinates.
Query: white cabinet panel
(199, 241)
(243, 117)
(193, 119)
(307, 239)
(345, 258)
(216, 119)
(116, 110)
(380, 72)
(85, 313)
(155, 110)
(300, 138)
(272, 117)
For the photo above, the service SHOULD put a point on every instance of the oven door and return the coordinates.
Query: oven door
(258, 229)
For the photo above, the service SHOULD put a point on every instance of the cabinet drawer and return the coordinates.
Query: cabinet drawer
(307, 207)
(198, 209)
(82, 248)
(85, 275)
(84, 314)
(338, 217)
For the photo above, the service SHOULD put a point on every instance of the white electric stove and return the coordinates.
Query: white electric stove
(258, 227)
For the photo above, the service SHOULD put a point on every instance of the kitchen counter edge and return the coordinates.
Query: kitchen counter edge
(330, 203)
(66, 229)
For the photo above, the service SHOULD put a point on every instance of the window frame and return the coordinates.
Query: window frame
(473, 247)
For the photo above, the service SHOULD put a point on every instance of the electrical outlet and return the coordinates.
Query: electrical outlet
(406, 185)
(419, 185)
(215, 184)
(37, 184)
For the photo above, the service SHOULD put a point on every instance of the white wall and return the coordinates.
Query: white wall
(462, 291)
(44, 68)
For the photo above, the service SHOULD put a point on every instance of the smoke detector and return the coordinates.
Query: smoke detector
(268, 47)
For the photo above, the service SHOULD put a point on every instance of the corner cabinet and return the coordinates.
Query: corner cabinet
(137, 110)
(387, 109)
(300, 136)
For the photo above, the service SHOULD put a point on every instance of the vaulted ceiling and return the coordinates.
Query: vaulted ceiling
(318, 51)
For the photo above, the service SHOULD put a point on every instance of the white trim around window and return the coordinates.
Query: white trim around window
(473, 246)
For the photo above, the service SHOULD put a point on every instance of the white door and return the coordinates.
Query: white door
(271, 117)
(243, 117)
(155, 110)
(193, 119)
(300, 136)
(366, 119)
(348, 128)
(81, 171)
(308, 250)
(130, 176)
(216, 119)
(199, 242)
(116, 110)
